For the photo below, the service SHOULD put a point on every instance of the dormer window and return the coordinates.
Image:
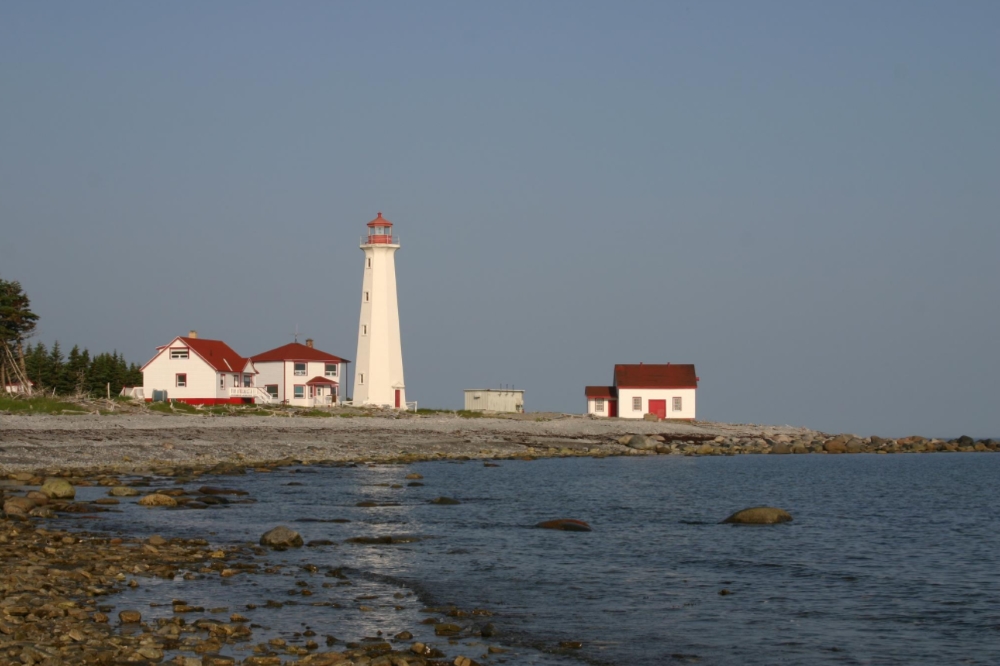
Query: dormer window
(178, 354)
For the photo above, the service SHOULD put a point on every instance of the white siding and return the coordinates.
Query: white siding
(160, 374)
(592, 407)
(283, 374)
(494, 400)
(379, 371)
(270, 372)
(625, 396)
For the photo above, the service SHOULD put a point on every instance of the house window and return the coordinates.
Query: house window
(331, 370)
(181, 380)
(300, 369)
(222, 381)
(361, 378)
(178, 354)
(366, 297)
(677, 404)
(637, 404)
(300, 391)
(364, 329)
(272, 389)
(247, 381)
(599, 405)
(236, 381)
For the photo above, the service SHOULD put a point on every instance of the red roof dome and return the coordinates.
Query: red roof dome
(380, 221)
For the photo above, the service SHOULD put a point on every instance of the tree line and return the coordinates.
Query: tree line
(78, 372)
(47, 369)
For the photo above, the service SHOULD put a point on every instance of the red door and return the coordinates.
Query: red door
(397, 399)
(612, 408)
(658, 407)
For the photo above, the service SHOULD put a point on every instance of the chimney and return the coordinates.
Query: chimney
(309, 343)
(193, 334)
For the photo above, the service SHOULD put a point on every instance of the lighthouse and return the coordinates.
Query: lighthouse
(378, 378)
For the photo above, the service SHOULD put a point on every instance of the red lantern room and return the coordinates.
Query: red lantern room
(380, 232)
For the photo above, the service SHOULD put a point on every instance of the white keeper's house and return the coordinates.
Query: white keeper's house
(667, 390)
(301, 375)
(199, 372)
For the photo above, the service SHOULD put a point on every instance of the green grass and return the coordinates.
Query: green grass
(173, 408)
(467, 414)
(37, 405)
(315, 412)
(424, 410)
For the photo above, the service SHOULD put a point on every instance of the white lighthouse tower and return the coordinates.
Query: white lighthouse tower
(378, 378)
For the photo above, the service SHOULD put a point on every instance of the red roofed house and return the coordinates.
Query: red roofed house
(200, 372)
(301, 375)
(669, 391)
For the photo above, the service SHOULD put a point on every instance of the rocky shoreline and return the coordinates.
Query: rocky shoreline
(145, 441)
(56, 583)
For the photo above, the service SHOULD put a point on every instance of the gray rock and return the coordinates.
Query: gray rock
(759, 515)
(640, 442)
(281, 537)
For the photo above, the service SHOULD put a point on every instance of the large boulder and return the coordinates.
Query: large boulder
(565, 524)
(780, 448)
(855, 446)
(54, 488)
(640, 442)
(835, 446)
(281, 537)
(759, 515)
(444, 501)
(157, 499)
(18, 506)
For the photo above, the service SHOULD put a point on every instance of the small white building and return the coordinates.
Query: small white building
(301, 375)
(494, 400)
(17, 387)
(200, 372)
(669, 391)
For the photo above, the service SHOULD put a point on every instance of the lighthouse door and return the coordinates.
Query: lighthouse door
(397, 398)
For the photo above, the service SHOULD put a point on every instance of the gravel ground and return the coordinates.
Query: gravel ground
(140, 441)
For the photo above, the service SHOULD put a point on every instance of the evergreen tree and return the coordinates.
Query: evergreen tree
(17, 323)
(74, 373)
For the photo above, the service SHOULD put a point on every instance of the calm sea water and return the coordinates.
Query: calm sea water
(890, 559)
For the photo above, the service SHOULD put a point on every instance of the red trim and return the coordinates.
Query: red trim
(206, 401)
(655, 388)
(380, 221)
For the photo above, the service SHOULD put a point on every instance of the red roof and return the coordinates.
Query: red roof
(671, 375)
(380, 221)
(600, 392)
(296, 351)
(216, 353)
(321, 380)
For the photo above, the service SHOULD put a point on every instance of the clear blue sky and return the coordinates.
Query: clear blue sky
(801, 198)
